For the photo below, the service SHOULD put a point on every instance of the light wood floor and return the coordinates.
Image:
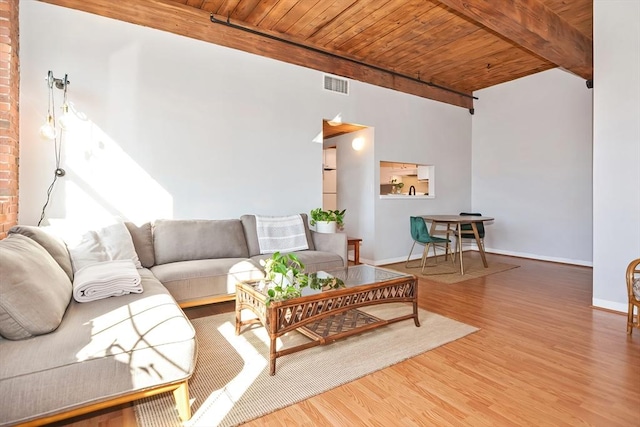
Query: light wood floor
(543, 357)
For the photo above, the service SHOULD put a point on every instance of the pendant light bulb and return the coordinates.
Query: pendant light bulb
(65, 119)
(48, 130)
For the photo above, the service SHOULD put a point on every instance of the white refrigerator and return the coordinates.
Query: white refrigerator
(329, 190)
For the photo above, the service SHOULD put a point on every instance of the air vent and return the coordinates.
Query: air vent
(335, 84)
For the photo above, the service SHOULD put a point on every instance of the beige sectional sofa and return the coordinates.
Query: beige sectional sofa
(60, 358)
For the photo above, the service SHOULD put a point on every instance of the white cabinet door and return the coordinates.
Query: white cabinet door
(424, 172)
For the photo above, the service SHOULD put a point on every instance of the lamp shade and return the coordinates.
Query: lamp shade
(357, 143)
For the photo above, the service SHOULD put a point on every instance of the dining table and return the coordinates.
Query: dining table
(456, 221)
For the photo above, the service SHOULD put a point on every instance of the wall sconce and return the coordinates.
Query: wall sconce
(49, 130)
(52, 130)
(357, 143)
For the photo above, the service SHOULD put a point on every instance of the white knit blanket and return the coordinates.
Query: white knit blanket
(106, 279)
(281, 234)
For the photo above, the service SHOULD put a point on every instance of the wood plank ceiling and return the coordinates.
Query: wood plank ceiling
(443, 50)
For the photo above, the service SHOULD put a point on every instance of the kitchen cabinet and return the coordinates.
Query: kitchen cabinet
(424, 172)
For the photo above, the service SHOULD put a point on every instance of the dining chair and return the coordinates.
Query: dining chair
(466, 231)
(633, 291)
(420, 234)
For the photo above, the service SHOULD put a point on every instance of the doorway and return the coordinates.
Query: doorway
(330, 176)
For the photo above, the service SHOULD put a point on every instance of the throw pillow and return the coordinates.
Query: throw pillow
(118, 243)
(111, 242)
(143, 242)
(54, 245)
(34, 290)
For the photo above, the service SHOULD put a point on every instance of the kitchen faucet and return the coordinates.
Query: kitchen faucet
(414, 190)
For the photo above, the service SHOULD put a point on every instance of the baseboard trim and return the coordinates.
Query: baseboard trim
(474, 247)
(609, 305)
(538, 257)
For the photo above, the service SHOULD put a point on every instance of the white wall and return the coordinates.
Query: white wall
(179, 128)
(616, 154)
(414, 132)
(354, 177)
(532, 167)
(440, 135)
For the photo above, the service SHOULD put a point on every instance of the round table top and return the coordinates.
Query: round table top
(457, 218)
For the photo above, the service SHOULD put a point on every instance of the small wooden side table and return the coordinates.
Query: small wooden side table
(355, 242)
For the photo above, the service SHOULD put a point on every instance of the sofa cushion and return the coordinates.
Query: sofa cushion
(204, 278)
(102, 349)
(251, 233)
(54, 245)
(182, 240)
(34, 290)
(142, 242)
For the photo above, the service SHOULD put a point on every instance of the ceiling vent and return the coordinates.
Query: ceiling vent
(335, 84)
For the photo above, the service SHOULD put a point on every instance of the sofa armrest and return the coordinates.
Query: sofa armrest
(331, 242)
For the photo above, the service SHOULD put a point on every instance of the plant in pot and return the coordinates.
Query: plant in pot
(396, 186)
(328, 221)
(284, 275)
(284, 278)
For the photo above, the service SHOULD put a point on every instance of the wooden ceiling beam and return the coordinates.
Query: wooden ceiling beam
(530, 24)
(187, 21)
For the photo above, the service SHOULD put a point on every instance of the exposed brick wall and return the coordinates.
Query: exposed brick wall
(9, 114)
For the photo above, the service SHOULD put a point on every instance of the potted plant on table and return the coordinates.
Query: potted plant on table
(328, 221)
(285, 277)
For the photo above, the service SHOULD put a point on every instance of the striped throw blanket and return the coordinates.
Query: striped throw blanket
(281, 234)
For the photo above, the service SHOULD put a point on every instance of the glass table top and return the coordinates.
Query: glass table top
(342, 278)
(355, 275)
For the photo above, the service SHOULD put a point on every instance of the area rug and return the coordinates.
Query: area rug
(446, 272)
(231, 384)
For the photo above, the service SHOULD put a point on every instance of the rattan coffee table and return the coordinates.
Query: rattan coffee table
(325, 316)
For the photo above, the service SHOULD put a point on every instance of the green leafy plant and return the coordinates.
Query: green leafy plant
(284, 271)
(397, 184)
(319, 214)
(285, 278)
(324, 283)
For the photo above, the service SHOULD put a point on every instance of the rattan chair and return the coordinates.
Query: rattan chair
(420, 234)
(633, 290)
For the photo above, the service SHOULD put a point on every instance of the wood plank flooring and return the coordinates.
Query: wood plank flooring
(543, 357)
